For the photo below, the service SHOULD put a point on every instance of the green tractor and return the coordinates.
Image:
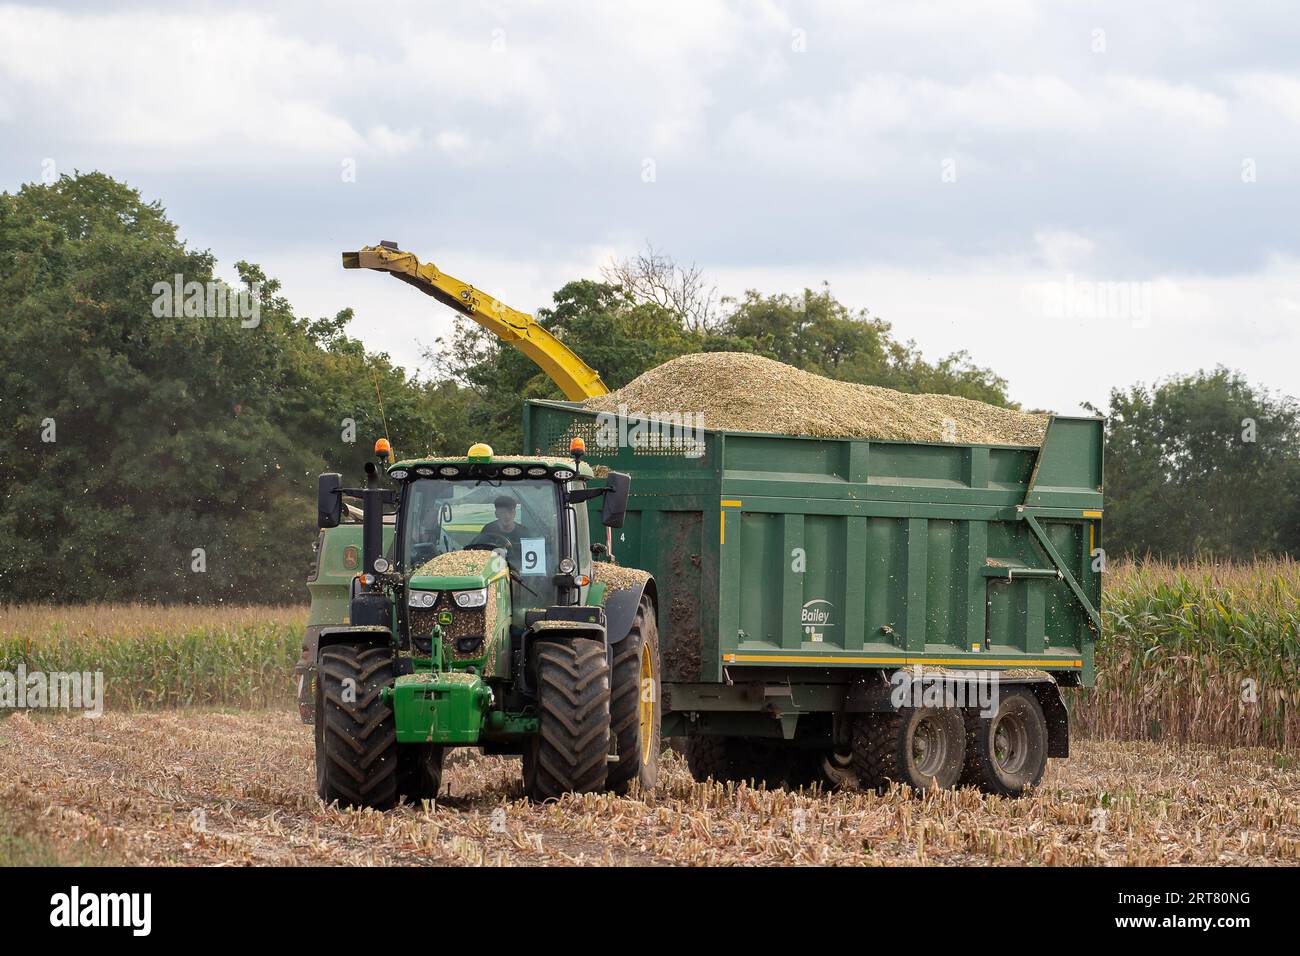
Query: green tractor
(479, 617)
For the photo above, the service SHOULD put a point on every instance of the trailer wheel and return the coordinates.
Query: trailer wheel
(419, 768)
(921, 747)
(634, 707)
(837, 771)
(1007, 753)
(706, 756)
(570, 751)
(356, 738)
(758, 762)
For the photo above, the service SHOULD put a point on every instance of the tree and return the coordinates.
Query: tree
(651, 277)
(1202, 464)
(602, 323)
(146, 453)
(818, 333)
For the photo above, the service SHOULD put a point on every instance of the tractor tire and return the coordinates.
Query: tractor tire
(634, 705)
(921, 747)
(419, 768)
(1007, 753)
(356, 740)
(570, 751)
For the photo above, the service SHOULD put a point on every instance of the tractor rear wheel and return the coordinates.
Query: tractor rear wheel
(570, 751)
(356, 738)
(1007, 754)
(917, 746)
(634, 708)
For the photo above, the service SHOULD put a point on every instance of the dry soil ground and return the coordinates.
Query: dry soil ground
(191, 787)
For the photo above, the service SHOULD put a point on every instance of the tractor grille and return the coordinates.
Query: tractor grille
(421, 622)
(464, 623)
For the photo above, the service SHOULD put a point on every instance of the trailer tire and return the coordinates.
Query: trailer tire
(419, 768)
(1007, 753)
(757, 762)
(570, 751)
(634, 720)
(706, 756)
(921, 747)
(356, 739)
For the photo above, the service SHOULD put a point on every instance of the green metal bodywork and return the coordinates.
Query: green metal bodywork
(439, 707)
(787, 556)
(336, 561)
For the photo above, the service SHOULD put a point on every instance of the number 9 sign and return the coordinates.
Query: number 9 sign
(532, 556)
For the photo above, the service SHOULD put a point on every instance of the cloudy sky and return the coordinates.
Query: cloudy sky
(1081, 195)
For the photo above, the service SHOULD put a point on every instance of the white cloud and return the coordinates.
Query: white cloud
(780, 163)
(996, 310)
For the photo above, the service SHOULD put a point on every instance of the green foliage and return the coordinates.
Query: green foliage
(153, 658)
(818, 333)
(171, 433)
(1198, 652)
(1202, 464)
(606, 327)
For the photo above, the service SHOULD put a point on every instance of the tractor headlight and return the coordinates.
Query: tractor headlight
(476, 598)
(422, 599)
(567, 566)
(562, 474)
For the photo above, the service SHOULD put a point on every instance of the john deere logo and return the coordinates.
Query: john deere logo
(815, 617)
(444, 618)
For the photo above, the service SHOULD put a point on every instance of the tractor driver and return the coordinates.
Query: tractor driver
(506, 527)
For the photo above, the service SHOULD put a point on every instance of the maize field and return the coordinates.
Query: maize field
(1199, 653)
(1186, 752)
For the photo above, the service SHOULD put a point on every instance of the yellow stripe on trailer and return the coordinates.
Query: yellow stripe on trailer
(941, 661)
(722, 518)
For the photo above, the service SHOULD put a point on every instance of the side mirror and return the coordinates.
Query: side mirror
(329, 499)
(614, 507)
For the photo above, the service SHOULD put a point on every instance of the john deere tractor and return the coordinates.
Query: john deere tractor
(481, 620)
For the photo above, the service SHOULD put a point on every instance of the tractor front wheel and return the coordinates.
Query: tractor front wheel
(356, 738)
(570, 751)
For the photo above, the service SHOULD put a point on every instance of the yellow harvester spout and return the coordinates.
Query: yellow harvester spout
(576, 379)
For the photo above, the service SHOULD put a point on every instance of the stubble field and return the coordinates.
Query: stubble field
(208, 787)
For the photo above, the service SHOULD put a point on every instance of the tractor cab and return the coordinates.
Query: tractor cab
(525, 511)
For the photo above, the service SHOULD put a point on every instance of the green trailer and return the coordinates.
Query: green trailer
(890, 610)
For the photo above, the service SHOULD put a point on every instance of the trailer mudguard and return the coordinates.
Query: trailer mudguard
(1057, 716)
(621, 606)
